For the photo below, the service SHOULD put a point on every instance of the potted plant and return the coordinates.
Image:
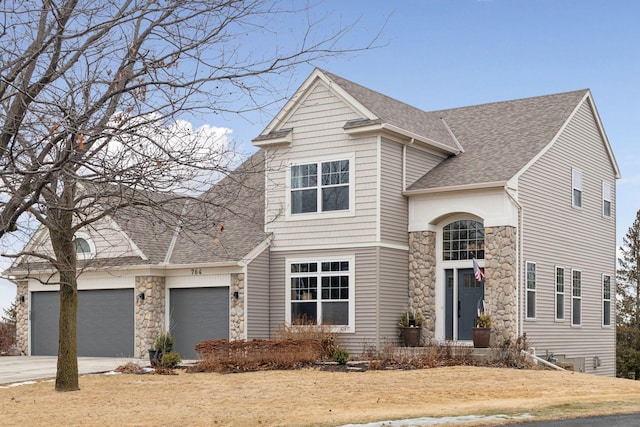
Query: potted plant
(482, 331)
(411, 323)
(161, 346)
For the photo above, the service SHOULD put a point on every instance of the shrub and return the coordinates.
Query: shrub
(7, 335)
(171, 360)
(308, 330)
(164, 343)
(510, 354)
(240, 356)
(341, 355)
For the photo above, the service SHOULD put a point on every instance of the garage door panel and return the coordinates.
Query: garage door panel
(45, 311)
(198, 314)
(105, 322)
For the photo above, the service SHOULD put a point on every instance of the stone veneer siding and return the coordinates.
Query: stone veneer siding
(422, 275)
(149, 312)
(22, 317)
(500, 293)
(236, 309)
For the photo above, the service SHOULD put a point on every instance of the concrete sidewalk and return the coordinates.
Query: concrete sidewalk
(15, 369)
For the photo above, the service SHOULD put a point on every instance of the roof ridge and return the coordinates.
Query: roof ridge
(506, 101)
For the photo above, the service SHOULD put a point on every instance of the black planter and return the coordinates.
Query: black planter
(155, 357)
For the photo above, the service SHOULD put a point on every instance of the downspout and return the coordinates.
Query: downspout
(519, 250)
(532, 355)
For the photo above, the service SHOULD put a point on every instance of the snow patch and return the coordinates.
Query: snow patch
(430, 421)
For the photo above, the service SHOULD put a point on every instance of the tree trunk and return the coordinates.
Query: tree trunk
(67, 370)
(62, 243)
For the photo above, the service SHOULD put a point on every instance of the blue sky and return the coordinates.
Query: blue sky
(440, 54)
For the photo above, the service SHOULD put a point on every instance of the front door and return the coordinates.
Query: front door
(469, 297)
(461, 315)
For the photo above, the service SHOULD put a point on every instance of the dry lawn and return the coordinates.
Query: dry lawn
(314, 398)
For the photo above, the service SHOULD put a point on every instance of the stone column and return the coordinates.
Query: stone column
(22, 316)
(500, 294)
(149, 312)
(236, 315)
(422, 279)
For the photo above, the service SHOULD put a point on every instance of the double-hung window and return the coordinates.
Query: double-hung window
(559, 293)
(606, 200)
(606, 300)
(576, 297)
(321, 292)
(320, 187)
(531, 290)
(576, 185)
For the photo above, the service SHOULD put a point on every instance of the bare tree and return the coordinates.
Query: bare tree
(91, 92)
(628, 302)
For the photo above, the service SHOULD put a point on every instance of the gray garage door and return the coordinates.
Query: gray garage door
(105, 323)
(198, 314)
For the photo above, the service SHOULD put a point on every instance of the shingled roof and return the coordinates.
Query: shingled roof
(499, 139)
(233, 211)
(399, 114)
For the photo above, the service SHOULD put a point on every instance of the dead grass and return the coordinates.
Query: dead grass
(311, 397)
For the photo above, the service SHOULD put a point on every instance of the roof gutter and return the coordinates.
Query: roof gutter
(23, 274)
(464, 187)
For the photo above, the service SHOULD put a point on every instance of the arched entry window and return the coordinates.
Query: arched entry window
(463, 239)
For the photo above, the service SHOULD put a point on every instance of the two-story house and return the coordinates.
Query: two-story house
(364, 205)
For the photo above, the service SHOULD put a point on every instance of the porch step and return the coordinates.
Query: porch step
(455, 350)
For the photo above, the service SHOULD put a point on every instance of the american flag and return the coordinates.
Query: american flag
(477, 272)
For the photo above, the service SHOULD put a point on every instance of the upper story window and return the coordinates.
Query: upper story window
(327, 192)
(83, 247)
(606, 200)
(576, 184)
(463, 239)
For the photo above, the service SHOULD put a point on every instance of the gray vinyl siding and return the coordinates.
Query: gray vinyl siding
(258, 297)
(393, 205)
(556, 234)
(418, 163)
(318, 135)
(367, 302)
(394, 292)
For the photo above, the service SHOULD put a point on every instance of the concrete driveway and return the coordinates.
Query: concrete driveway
(15, 369)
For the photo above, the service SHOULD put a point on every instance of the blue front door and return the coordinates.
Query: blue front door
(461, 307)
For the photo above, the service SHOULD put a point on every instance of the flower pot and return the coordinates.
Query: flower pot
(481, 337)
(411, 336)
(155, 357)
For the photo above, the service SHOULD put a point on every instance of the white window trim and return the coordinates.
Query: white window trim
(577, 186)
(92, 246)
(320, 214)
(574, 297)
(533, 291)
(563, 293)
(352, 294)
(604, 299)
(606, 197)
